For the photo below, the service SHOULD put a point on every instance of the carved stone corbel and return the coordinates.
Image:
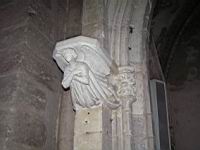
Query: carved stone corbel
(87, 72)
(86, 69)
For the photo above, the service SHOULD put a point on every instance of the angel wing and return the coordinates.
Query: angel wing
(95, 59)
(88, 51)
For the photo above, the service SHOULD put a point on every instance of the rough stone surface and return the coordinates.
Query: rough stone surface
(30, 82)
(88, 129)
(30, 91)
(72, 23)
(66, 131)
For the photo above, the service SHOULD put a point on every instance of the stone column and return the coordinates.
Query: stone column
(138, 56)
(93, 129)
(108, 76)
(127, 36)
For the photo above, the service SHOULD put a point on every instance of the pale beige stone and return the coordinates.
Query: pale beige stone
(88, 129)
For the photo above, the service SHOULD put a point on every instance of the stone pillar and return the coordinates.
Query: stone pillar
(138, 56)
(93, 129)
(127, 36)
(108, 77)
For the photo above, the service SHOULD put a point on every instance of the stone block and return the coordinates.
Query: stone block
(88, 121)
(89, 142)
(88, 129)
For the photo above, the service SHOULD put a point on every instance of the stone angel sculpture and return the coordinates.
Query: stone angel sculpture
(86, 69)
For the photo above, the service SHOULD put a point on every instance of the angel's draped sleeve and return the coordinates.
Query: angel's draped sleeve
(68, 77)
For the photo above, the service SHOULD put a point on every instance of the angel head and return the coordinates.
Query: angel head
(69, 54)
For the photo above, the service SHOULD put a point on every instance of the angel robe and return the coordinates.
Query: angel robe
(87, 88)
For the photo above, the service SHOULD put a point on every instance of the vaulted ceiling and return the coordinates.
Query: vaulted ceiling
(175, 27)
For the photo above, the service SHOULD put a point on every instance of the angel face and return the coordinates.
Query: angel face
(70, 54)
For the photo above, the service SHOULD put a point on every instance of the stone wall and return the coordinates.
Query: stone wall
(30, 90)
(184, 84)
(175, 28)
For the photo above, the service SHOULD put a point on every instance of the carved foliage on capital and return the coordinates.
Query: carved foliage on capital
(125, 83)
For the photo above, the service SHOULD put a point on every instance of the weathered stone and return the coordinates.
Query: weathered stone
(74, 27)
(19, 58)
(37, 42)
(151, 143)
(30, 91)
(88, 129)
(139, 126)
(42, 18)
(29, 109)
(20, 123)
(3, 129)
(66, 130)
(5, 2)
(13, 36)
(28, 129)
(91, 16)
(13, 10)
(149, 126)
(8, 85)
(141, 145)
(33, 98)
